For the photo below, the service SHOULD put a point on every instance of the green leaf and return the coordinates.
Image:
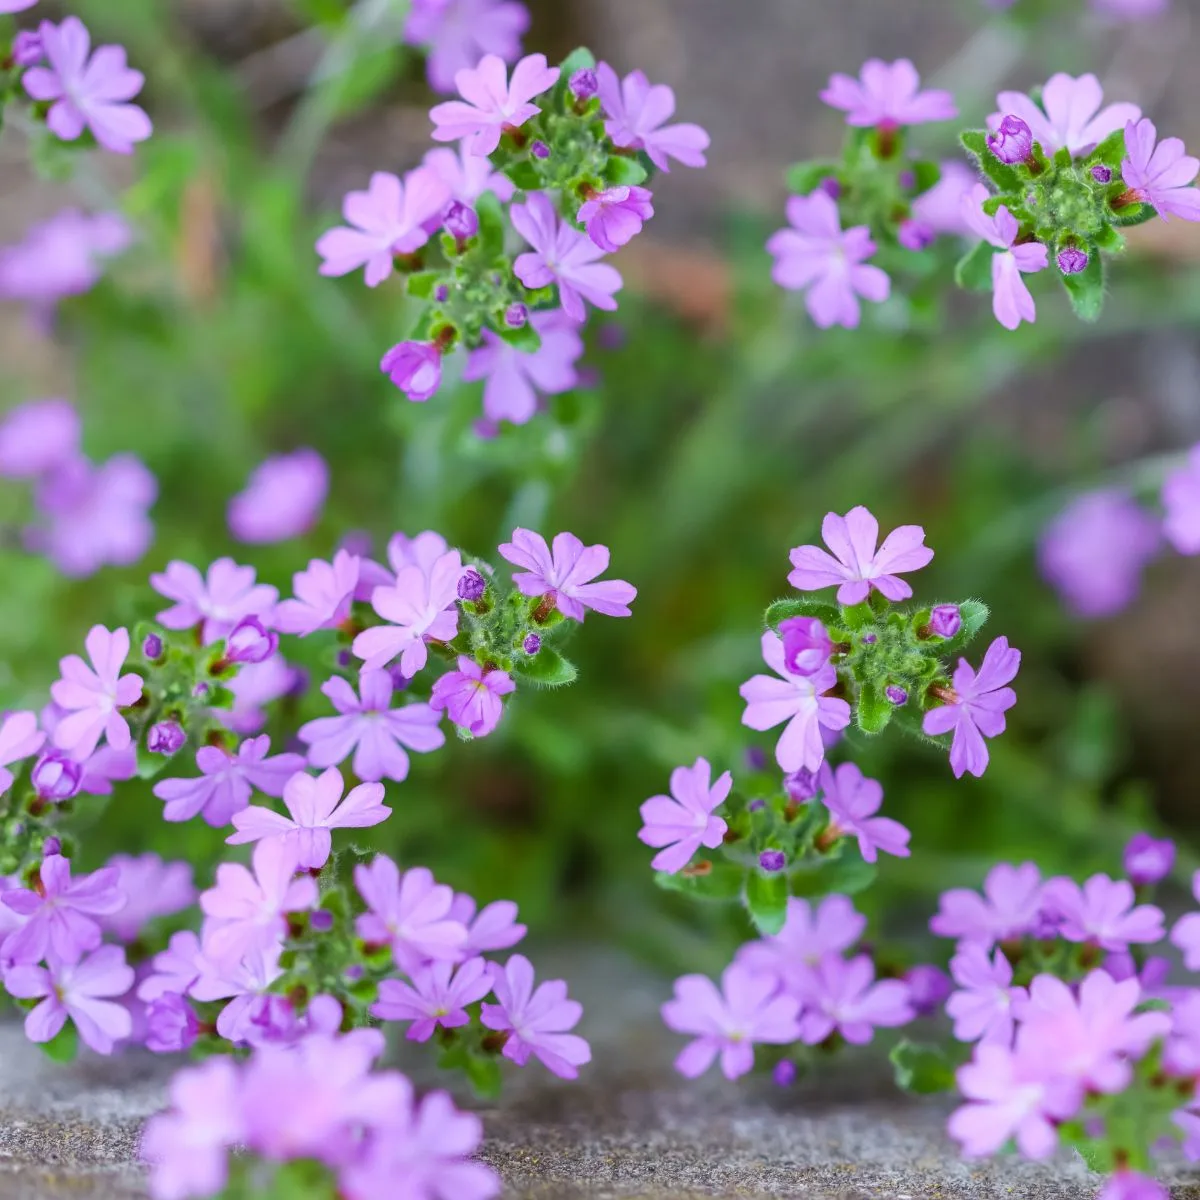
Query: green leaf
(484, 1074)
(524, 175)
(1001, 174)
(624, 172)
(926, 175)
(974, 270)
(578, 60)
(1086, 289)
(546, 668)
(922, 1069)
(525, 338)
(873, 710)
(422, 283)
(1062, 158)
(1109, 239)
(805, 177)
(800, 606)
(846, 872)
(63, 1047)
(491, 224)
(720, 880)
(766, 898)
(1111, 151)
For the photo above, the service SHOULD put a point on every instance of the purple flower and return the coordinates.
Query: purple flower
(566, 572)
(324, 594)
(460, 221)
(38, 437)
(684, 821)
(615, 216)
(19, 738)
(1094, 551)
(584, 84)
(468, 175)
(1186, 933)
(1160, 175)
(27, 50)
(1181, 499)
(493, 103)
(15, 6)
(636, 110)
(153, 888)
(165, 737)
(928, 988)
(60, 257)
(1011, 301)
(1009, 1096)
(841, 995)
(87, 94)
(253, 1013)
(1102, 912)
(369, 727)
(59, 923)
(982, 1008)
(1009, 907)
(250, 642)
(57, 777)
(315, 808)
(976, 706)
(93, 695)
(728, 1021)
(818, 255)
(797, 699)
(171, 1025)
(282, 499)
(1011, 141)
(415, 368)
(887, 95)
(437, 995)
(227, 595)
(1148, 860)
(562, 255)
(806, 645)
(1069, 115)
(1132, 1185)
(494, 928)
(408, 911)
(420, 607)
(389, 218)
(470, 696)
(856, 566)
(852, 801)
(226, 781)
(92, 516)
(402, 551)
(79, 991)
(806, 938)
(537, 1020)
(458, 33)
(940, 208)
(245, 910)
(515, 377)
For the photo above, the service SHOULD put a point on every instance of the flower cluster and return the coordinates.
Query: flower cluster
(557, 155)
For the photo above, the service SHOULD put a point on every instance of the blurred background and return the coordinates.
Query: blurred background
(718, 429)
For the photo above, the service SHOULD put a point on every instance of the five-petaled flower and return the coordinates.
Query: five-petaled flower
(888, 95)
(566, 572)
(683, 821)
(1161, 175)
(636, 110)
(1069, 115)
(94, 695)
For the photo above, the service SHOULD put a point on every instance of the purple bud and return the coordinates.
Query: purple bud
(400, 681)
(756, 806)
(515, 315)
(357, 542)
(200, 691)
(165, 738)
(830, 187)
(928, 986)
(1101, 173)
(27, 49)
(1072, 260)
(301, 678)
(896, 694)
(1147, 859)
(801, 785)
(460, 221)
(611, 336)
(540, 149)
(913, 235)
(441, 293)
(806, 645)
(869, 639)
(945, 620)
(584, 84)
(344, 658)
(784, 1073)
(354, 972)
(908, 180)
(1013, 141)
(756, 758)
(772, 860)
(250, 641)
(532, 644)
(171, 1024)
(321, 921)
(50, 846)
(152, 647)
(56, 777)
(472, 585)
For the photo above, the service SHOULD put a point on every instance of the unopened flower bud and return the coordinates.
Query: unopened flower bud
(515, 315)
(945, 620)
(532, 644)
(50, 846)
(928, 986)
(584, 84)
(250, 641)
(1101, 173)
(460, 221)
(772, 860)
(171, 1024)
(441, 293)
(540, 149)
(913, 235)
(801, 785)
(896, 694)
(1012, 142)
(1148, 860)
(321, 921)
(55, 777)
(27, 49)
(756, 758)
(806, 645)
(756, 806)
(472, 585)
(165, 738)
(830, 187)
(869, 639)
(784, 1074)
(1072, 260)
(152, 647)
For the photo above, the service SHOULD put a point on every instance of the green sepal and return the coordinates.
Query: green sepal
(766, 899)
(800, 606)
(524, 175)
(1107, 238)
(1086, 289)
(926, 174)
(873, 710)
(1001, 174)
(491, 224)
(1134, 214)
(1062, 158)
(421, 283)
(623, 171)
(974, 270)
(722, 881)
(1111, 151)
(922, 1069)
(580, 59)
(806, 177)
(525, 338)
(63, 1046)
(546, 668)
